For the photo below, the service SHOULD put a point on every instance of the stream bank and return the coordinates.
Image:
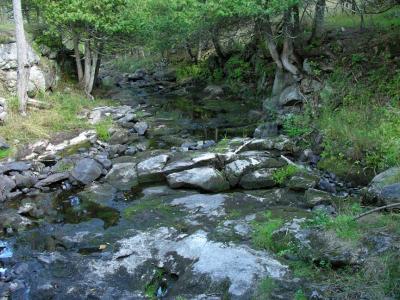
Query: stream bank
(155, 209)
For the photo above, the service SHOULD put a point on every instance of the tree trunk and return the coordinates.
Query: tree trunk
(22, 56)
(217, 47)
(319, 17)
(88, 67)
(271, 44)
(199, 53)
(78, 59)
(192, 56)
(91, 65)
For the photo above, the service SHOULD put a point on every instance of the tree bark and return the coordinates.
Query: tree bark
(192, 56)
(217, 46)
(199, 53)
(91, 66)
(88, 67)
(22, 57)
(319, 17)
(271, 44)
(78, 58)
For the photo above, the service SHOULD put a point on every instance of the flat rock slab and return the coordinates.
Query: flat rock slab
(240, 265)
(210, 205)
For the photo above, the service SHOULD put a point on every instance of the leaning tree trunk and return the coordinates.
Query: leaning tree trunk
(22, 57)
(287, 72)
(91, 61)
(319, 17)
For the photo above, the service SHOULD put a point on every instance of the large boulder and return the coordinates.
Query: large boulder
(205, 178)
(150, 170)
(385, 187)
(302, 182)
(123, 176)
(291, 96)
(86, 171)
(314, 197)
(190, 162)
(40, 76)
(236, 169)
(259, 179)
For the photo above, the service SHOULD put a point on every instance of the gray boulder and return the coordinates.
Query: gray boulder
(315, 197)
(141, 127)
(123, 176)
(150, 170)
(18, 166)
(86, 171)
(259, 179)
(6, 186)
(291, 96)
(25, 180)
(302, 182)
(11, 221)
(53, 178)
(245, 164)
(385, 187)
(205, 178)
(199, 160)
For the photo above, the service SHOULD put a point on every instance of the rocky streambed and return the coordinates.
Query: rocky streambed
(126, 218)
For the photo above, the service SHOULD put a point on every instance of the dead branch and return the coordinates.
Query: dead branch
(376, 209)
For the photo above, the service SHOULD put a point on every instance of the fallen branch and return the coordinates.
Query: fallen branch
(375, 210)
(243, 146)
(38, 104)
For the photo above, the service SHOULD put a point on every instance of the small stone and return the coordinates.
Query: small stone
(3, 144)
(141, 127)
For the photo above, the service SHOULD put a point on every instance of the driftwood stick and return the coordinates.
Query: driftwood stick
(375, 210)
(243, 146)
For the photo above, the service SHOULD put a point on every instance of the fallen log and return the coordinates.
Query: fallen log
(38, 104)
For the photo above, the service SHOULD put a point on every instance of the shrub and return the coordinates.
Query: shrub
(282, 174)
(238, 70)
(195, 71)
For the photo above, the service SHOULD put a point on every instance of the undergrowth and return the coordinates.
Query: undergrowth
(63, 115)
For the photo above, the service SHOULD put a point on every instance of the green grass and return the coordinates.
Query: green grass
(61, 117)
(284, 173)
(222, 145)
(384, 20)
(262, 231)
(265, 289)
(103, 129)
(299, 295)
(152, 204)
(192, 71)
(6, 153)
(360, 117)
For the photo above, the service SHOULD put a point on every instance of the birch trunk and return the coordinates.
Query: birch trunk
(78, 59)
(22, 57)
